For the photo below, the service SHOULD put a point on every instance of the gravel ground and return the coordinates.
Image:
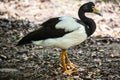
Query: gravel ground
(98, 57)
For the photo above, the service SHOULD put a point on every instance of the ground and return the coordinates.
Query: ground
(98, 57)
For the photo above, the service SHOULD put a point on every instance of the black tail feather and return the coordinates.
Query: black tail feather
(23, 41)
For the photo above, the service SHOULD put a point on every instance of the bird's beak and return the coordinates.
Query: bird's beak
(96, 11)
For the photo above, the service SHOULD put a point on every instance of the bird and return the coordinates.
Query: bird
(64, 32)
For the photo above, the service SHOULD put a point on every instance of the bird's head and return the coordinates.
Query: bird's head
(90, 7)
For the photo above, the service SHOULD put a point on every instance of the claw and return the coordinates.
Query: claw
(70, 71)
(72, 65)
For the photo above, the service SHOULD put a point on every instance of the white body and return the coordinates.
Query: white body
(73, 38)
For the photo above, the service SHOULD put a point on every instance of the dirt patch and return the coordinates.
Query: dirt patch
(98, 58)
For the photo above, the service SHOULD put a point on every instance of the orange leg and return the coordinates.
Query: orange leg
(65, 59)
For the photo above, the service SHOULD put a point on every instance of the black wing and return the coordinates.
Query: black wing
(46, 31)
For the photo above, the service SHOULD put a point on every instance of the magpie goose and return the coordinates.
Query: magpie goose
(64, 32)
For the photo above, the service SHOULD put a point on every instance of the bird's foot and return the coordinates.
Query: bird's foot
(71, 68)
(70, 71)
(71, 65)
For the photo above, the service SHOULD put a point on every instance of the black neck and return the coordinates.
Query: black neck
(90, 24)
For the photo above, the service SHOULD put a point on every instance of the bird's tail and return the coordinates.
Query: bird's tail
(24, 40)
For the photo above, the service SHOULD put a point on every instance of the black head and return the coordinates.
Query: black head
(89, 7)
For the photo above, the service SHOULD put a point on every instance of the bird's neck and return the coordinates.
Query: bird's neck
(90, 24)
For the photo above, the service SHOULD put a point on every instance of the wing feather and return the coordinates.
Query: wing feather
(46, 31)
